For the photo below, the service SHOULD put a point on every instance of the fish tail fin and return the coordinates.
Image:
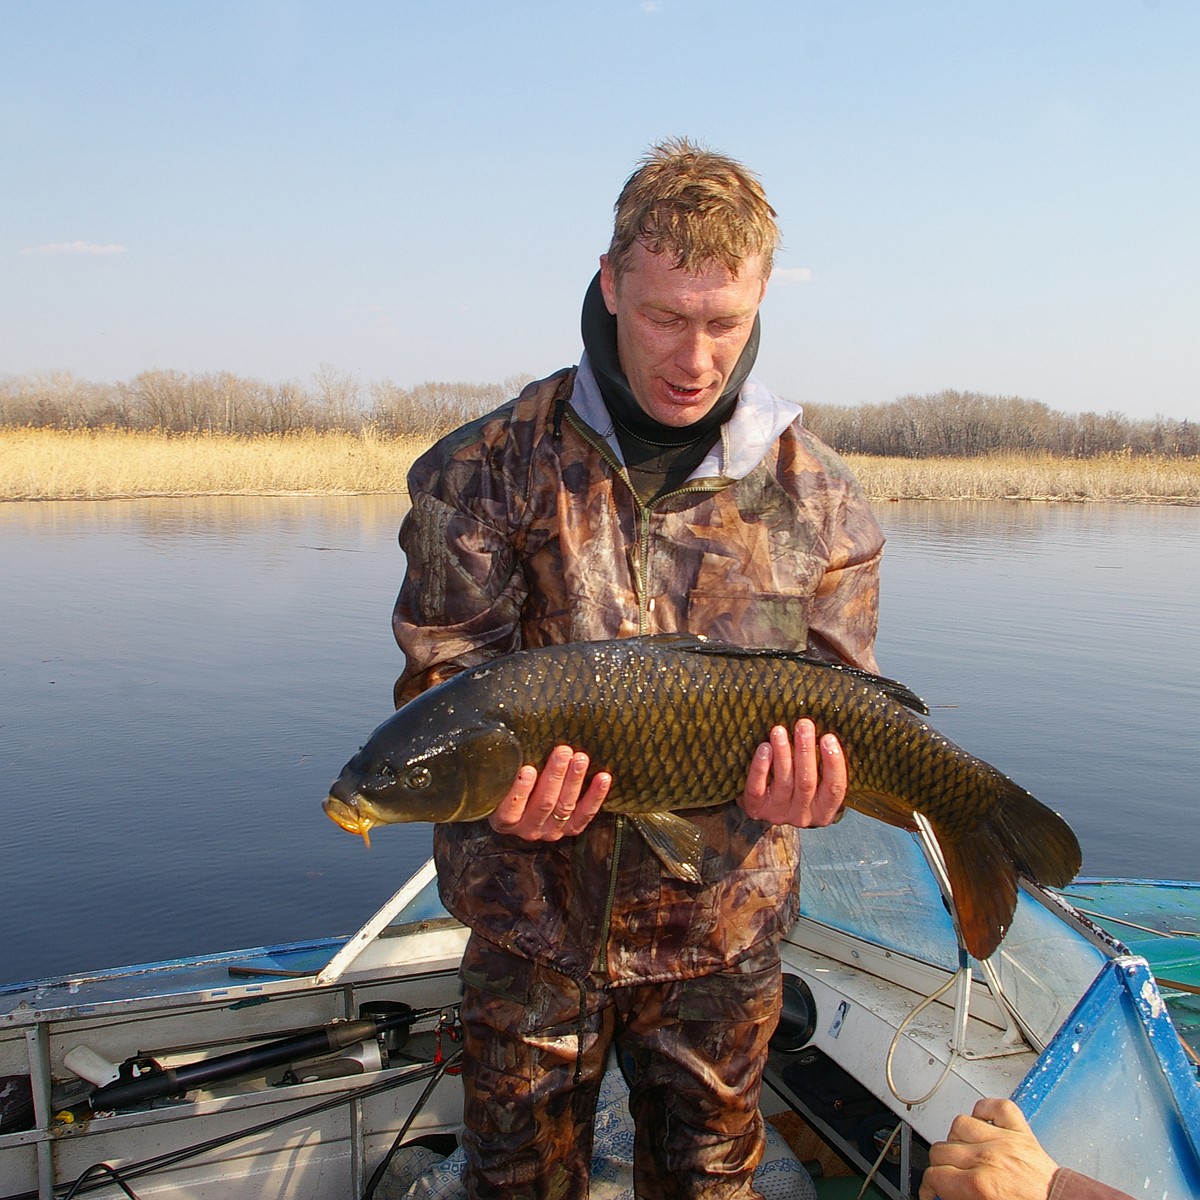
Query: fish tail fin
(1044, 846)
(982, 874)
(985, 889)
(1020, 836)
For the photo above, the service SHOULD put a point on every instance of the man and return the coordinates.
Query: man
(655, 488)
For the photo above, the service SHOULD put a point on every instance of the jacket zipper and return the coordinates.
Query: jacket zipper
(641, 584)
(601, 964)
(642, 515)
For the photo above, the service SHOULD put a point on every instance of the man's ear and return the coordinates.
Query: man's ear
(608, 285)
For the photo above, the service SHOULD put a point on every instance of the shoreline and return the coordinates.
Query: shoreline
(43, 465)
(311, 494)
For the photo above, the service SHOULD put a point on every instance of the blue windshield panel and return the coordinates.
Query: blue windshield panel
(871, 880)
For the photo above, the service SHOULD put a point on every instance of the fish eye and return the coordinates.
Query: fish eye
(418, 777)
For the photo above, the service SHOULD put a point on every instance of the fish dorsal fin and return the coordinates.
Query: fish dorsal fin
(678, 641)
(675, 840)
(684, 643)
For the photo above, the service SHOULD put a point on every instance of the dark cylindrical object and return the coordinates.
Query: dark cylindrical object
(175, 1081)
(798, 1017)
(394, 1018)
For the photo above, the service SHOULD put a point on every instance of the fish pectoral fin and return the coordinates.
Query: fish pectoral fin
(676, 842)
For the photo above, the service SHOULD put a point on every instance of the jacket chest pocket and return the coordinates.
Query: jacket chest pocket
(761, 600)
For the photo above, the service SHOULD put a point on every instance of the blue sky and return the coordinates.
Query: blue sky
(1001, 197)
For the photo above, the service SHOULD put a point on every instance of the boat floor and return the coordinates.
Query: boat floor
(832, 1176)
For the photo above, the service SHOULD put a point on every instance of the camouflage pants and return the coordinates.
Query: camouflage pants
(536, 1044)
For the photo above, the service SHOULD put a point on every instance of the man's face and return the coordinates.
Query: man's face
(679, 333)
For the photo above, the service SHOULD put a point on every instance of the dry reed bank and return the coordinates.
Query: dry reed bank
(46, 464)
(1018, 476)
(85, 464)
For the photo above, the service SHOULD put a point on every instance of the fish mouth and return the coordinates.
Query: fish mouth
(350, 817)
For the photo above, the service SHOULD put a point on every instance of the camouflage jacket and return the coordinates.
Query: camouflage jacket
(523, 532)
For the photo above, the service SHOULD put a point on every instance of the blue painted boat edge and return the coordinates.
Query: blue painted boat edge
(1104, 880)
(1121, 979)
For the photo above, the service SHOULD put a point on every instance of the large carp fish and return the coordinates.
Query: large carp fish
(675, 719)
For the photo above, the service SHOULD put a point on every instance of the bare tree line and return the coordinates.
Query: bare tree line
(219, 402)
(968, 424)
(946, 424)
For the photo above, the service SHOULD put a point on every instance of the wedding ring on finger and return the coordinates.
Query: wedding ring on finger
(560, 816)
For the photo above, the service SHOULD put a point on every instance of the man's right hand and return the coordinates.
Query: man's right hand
(548, 805)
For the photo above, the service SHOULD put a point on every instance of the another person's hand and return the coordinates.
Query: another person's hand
(990, 1155)
(796, 781)
(546, 805)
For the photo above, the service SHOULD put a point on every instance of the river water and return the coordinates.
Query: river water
(182, 679)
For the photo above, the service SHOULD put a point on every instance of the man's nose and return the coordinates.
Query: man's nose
(694, 353)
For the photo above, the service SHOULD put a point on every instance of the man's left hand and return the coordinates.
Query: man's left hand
(796, 780)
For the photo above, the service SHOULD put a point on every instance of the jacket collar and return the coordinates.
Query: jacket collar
(756, 425)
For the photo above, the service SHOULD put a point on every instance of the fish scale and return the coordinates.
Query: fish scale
(725, 694)
(675, 720)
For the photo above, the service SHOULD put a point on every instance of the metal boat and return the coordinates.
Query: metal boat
(297, 1070)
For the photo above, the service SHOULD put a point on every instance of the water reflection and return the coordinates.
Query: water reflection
(1066, 654)
(187, 679)
(957, 527)
(183, 678)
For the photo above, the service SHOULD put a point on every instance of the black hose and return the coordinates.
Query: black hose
(100, 1169)
(175, 1081)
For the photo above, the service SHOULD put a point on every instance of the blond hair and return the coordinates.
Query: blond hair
(697, 206)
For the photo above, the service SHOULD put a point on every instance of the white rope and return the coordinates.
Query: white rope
(954, 1054)
(878, 1162)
